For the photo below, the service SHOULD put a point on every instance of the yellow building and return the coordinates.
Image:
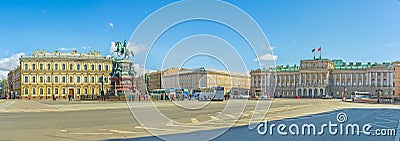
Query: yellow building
(44, 74)
(202, 78)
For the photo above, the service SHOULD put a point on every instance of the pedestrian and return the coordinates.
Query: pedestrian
(139, 96)
(144, 97)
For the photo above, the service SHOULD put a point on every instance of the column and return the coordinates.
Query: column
(357, 80)
(340, 79)
(327, 78)
(252, 81)
(294, 80)
(376, 79)
(369, 78)
(300, 81)
(362, 79)
(285, 81)
(316, 80)
(322, 82)
(382, 78)
(351, 79)
(345, 79)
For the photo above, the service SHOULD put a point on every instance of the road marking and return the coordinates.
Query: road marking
(169, 124)
(90, 133)
(194, 120)
(63, 130)
(139, 127)
(214, 118)
(122, 132)
(229, 115)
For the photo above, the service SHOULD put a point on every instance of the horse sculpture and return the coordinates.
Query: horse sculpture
(123, 50)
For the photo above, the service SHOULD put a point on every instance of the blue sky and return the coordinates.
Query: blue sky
(357, 30)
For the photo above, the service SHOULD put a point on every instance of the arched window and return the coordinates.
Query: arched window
(63, 67)
(106, 67)
(33, 91)
(26, 67)
(48, 67)
(71, 67)
(99, 68)
(93, 67)
(33, 66)
(56, 66)
(78, 67)
(85, 67)
(41, 91)
(26, 91)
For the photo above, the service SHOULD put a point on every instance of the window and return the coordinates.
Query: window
(92, 81)
(78, 79)
(70, 79)
(92, 67)
(99, 68)
(26, 67)
(41, 66)
(26, 91)
(56, 66)
(63, 90)
(33, 91)
(106, 67)
(48, 91)
(56, 90)
(85, 67)
(64, 79)
(33, 79)
(78, 67)
(26, 79)
(41, 79)
(92, 91)
(48, 67)
(56, 79)
(70, 67)
(41, 92)
(86, 91)
(85, 79)
(33, 66)
(78, 91)
(106, 79)
(48, 79)
(63, 67)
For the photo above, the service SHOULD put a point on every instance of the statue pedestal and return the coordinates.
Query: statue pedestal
(121, 80)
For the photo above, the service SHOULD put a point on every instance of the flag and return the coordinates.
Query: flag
(313, 50)
(319, 49)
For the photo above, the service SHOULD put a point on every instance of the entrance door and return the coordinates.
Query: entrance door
(71, 92)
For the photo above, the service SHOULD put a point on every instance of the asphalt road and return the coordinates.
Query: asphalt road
(379, 119)
(46, 120)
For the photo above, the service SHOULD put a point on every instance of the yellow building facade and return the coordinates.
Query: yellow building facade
(44, 75)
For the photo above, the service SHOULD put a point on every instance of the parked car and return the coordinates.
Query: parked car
(244, 96)
(326, 97)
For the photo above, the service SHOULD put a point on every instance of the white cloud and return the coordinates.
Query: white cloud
(135, 48)
(111, 25)
(267, 57)
(86, 47)
(66, 49)
(7, 64)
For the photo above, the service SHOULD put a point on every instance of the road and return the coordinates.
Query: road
(60, 120)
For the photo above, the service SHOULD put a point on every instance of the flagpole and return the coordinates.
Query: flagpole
(320, 52)
(314, 54)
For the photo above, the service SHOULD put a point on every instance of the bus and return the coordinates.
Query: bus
(219, 93)
(360, 96)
